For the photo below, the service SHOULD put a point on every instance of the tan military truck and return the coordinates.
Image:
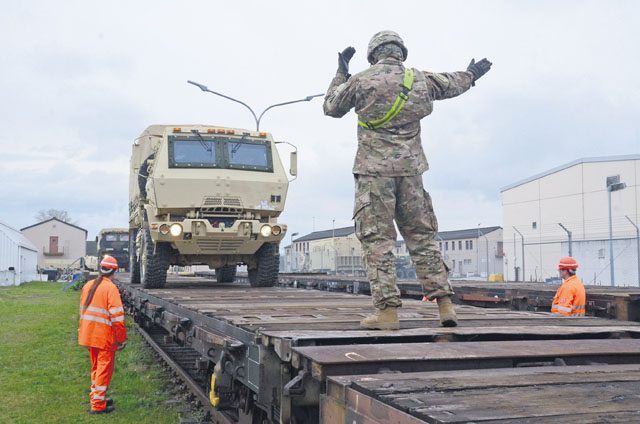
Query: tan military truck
(206, 195)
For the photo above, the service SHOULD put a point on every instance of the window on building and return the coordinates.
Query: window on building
(499, 249)
(600, 253)
(459, 244)
(534, 225)
(453, 245)
(446, 245)
(470, 244)
(467, 261)
(440, 243)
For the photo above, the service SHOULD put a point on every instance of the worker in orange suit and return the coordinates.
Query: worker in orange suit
(571, 298)
(102, 330)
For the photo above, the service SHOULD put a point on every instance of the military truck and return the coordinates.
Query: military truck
(206, 195)
(114, 242)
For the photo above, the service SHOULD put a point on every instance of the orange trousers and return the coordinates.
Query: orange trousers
(102, 364)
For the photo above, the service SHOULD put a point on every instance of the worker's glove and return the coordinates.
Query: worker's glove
(478, 69)
(122, 345)
(343, 60)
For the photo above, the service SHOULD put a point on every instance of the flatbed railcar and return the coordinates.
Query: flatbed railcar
(622, 303)
(289, 355)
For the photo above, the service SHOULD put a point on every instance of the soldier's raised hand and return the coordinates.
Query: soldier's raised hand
(343, 60)
(478, 69)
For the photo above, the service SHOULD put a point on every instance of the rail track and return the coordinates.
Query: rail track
(293, 355)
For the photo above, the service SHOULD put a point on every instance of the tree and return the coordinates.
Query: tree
(60, 214)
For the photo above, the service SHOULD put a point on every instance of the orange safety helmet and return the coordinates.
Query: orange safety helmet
(108, 264)
(568, 263)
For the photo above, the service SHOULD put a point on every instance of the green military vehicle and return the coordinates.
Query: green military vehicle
(206, 195)
(114, 242)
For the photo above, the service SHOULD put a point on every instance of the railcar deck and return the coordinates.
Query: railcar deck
(621, 303)
(304, 358)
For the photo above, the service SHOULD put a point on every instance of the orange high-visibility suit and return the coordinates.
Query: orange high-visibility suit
(571, 298)
(102, 330)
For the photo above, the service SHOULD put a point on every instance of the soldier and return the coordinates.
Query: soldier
(390, 100)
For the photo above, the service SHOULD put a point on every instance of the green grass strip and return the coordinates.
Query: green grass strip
(45, 375)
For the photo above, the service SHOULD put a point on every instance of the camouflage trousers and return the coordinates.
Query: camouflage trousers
(379, 202)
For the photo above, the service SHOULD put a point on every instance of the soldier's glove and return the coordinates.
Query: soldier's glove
(343, 60)
(478, 69)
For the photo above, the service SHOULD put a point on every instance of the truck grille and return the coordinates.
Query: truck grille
(210, 201)
(219, 246)
(221, 206)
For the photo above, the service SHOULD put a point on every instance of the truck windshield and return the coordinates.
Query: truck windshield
(248, 155)
(189, 153)
(220, 152)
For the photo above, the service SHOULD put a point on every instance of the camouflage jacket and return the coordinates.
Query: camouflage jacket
(395, 149)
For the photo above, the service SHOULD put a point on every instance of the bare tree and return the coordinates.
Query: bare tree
(60, 214)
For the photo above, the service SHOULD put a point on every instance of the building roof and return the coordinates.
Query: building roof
(569, 165)
(471, 233)
(53, 219)
(17, 237)
(317, 235)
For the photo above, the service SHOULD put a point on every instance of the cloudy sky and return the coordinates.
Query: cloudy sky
(81, 79)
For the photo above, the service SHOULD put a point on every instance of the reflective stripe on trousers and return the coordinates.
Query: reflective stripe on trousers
(102, 363)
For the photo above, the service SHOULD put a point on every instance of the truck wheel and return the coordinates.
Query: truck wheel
(266, 273)
(153, 267)
(226, 274)
(134, 265)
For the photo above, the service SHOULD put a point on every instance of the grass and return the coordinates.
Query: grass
(44, 374)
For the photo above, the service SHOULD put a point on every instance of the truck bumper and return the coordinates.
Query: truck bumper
(199, 237)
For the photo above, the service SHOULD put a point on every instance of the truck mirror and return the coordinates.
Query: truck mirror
(293, 164)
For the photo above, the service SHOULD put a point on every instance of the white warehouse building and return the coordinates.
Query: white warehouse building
(18, 257)
(566, 211)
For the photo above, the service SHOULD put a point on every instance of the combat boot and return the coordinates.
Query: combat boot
(448, 316)
(383, 319)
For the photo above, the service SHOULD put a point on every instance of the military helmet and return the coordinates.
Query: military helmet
(384, 37)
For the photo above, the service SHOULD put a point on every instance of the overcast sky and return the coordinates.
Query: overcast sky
(81, 79)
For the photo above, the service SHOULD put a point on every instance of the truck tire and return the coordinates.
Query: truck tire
(226, 274)
(134, 265)
(266, 273)
(153, 266)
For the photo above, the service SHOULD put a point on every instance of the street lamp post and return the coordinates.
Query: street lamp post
(478, 252)
(569, 236)
(637, 245)
(613, 184)
(333, 243)
(294, 253)
(516, 230)
(255, 117)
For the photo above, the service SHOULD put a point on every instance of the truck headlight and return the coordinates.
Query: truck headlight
(175, 230)
(265, 231)
(276, 230)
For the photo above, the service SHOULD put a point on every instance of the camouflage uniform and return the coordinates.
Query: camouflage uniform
(388, 171)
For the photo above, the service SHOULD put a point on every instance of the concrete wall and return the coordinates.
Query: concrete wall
(575, 196)
(71, 242)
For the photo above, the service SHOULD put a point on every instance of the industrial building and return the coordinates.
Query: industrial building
(588, 208)
(18, 257)
(59, 243)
